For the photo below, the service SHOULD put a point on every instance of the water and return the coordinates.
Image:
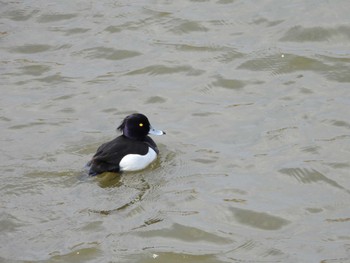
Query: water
(254, 97)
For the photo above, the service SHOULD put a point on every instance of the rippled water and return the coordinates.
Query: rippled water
(254, 96)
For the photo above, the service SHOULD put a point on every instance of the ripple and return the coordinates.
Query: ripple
(269, 63)
(172, 257)
(35, 70)
(306, 176)
(339, 123)
(155, 99)
(207, 156)
(282, 133)
(228, 83)
(9, 223)
(205, 114)
(184, 233)
(193, 48)
(247, 245)
(287, 64)
(47, 18)
(71, 31)
(229, 56)
(338, 220)
(163, 70)
(314, 210)
(31, 124)
(339, 74)
(259, 220)
(20, 15)
(108, 53)
(31, 48)
(189, 27)
(113, 29)
(300, 34)
(311, 149)
(315, 34)
(109, 180)
(225, 2)
(77, 255)
(339, 165)
(266, 22)
(55, 78)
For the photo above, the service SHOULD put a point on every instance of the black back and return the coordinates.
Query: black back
(109, 155)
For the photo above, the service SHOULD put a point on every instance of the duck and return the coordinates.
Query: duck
(134, 150)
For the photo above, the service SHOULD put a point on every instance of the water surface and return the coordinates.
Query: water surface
(254, 97)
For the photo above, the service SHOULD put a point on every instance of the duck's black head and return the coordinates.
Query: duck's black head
(137, 126)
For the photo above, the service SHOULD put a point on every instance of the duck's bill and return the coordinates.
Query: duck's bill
(154, 131)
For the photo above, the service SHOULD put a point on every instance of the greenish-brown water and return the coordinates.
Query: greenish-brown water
(254, 97)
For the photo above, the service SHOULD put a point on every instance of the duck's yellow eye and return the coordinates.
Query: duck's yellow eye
(141, 124)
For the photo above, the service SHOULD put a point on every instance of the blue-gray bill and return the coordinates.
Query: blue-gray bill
(154, 131)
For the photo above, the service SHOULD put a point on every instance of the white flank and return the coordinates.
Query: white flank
(135, 162)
